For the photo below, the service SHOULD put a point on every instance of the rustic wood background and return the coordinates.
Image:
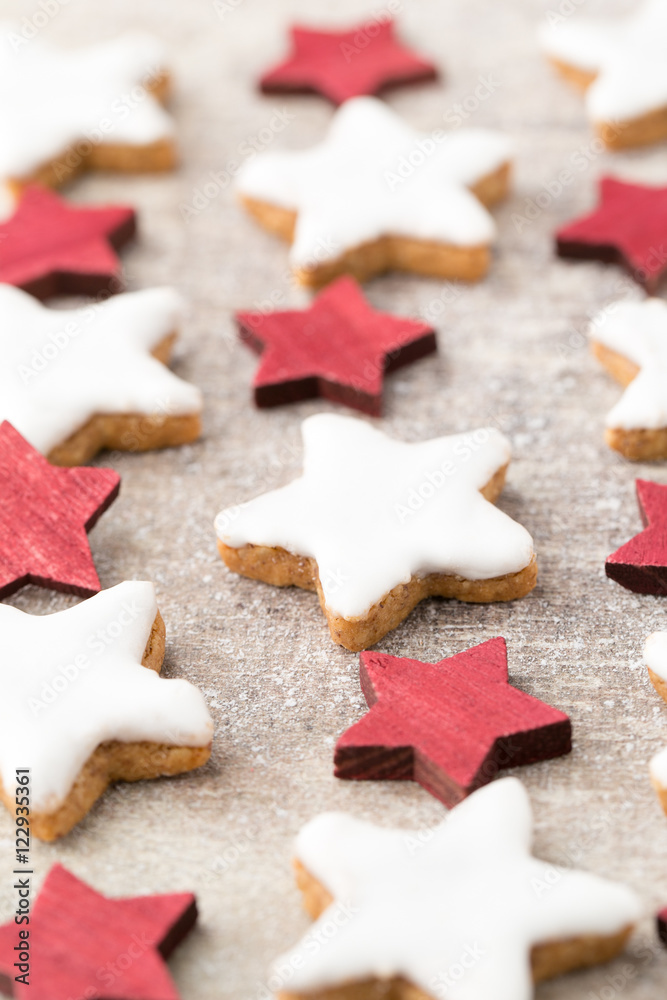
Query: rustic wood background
(512, 352)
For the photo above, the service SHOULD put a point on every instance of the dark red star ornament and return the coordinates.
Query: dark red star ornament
(51, 247)
(344, 64)
(339, 349)
(450, 726)
(45, 512)
(641, 564)
(629, 227)
(84, 945)
(661, 921)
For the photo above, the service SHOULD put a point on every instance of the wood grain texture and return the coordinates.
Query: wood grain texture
(365, 59)
(513, 353)
(45, 514)
(641, 564)
(450, 726)
(49, 246)
(338, 349)
(84, 945)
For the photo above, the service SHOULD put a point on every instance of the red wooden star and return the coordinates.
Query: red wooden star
(450, 725)
(83, 945)
(45, 513)
(338, 349)
(628, 227)
(50, 247)
(344, 64)
(641, 564)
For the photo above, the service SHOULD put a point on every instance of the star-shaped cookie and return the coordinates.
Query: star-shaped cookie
(75, 381)
(376, 194)
(655, 657)
(377, 525)
(620, 62)
(82, 705)
(49, 246)
(641, 564)
(630, 340)
(343, 64)
(628, 227)
(70, 110)
(463, 911)
(44, 516)
(450, 725)
(120, 944)
(339, 349)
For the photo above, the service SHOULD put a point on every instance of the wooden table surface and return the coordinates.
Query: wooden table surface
(512, 353)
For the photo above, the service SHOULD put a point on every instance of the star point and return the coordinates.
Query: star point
(641, 564)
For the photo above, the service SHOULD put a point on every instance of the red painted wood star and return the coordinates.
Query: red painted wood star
(338, 349)
(450, 726)
(628, 227)
(44, 516)
(641, 564)
(83, 945)
(344, 64)
(52, 247)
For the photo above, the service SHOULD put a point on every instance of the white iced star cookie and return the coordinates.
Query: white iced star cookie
(82, 704)
(375, 525)
(655, 657)
(630, 340)
(65, 110)
(376, 194)
(462, 912)
(75, 381)
(621, 63)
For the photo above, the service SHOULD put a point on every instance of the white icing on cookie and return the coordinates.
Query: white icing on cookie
(374, 512)
(51, 99)
(372, 176)
(69, 681)
(60, 367)
(638, 331)
(628, 56)
(455, 910)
